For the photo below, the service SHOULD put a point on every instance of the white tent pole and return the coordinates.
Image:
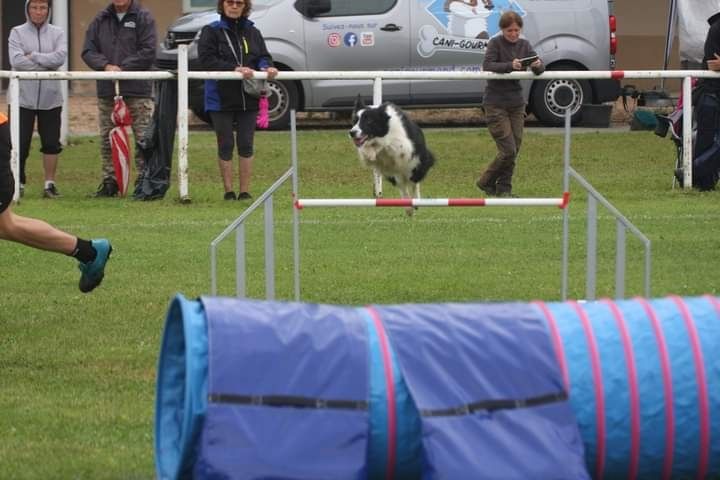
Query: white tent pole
(669, 36)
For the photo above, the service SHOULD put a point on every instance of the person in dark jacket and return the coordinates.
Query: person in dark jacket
(121, 38)
(36, 45)
(706, 154)
(233, 44)
(504, 103)
(92, 255)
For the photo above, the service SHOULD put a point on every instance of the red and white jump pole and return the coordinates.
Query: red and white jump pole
(434, 202)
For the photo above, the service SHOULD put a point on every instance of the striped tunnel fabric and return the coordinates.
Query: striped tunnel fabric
(644, 383)
(608, 389)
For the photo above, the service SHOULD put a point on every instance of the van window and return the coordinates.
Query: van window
(358, 7)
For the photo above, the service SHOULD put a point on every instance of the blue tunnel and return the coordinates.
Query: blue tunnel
(272, 390)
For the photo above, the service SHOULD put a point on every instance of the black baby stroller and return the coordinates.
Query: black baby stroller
(705, 165)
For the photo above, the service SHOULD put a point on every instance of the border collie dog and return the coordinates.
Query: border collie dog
(393, 145)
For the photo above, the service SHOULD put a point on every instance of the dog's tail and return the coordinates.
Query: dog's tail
(427, 160)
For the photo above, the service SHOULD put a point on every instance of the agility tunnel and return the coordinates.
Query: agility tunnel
(273, 390)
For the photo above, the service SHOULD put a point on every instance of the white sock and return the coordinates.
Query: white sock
(48, 183)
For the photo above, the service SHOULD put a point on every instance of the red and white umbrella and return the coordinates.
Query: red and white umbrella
(120, 142)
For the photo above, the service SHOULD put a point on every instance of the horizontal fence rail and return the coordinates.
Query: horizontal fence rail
(368, 75)
(183, 74)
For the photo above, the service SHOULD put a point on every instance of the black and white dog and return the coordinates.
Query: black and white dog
(390, 143)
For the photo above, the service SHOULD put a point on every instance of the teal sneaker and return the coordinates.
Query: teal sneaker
(93, 272)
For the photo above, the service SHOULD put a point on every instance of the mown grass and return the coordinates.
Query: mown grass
(77, 371)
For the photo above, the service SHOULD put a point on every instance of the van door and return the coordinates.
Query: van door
(358, 35)
(450, 35)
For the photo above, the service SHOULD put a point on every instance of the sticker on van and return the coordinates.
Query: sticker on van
(468, 25)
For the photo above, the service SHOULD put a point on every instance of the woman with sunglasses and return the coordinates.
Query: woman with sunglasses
(233, 44)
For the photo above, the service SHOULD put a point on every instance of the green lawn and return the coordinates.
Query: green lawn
(77, 371)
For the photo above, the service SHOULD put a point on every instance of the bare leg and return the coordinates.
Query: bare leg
(245, 172)
(35, 233)
(226, 173)
(50, 166)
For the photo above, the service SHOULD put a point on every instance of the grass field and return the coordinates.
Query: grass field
(77, 371)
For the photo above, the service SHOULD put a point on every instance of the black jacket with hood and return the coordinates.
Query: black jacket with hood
(216, 54)
(712, 46)
(129, 44)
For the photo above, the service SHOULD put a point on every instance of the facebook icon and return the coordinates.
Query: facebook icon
(350, 39)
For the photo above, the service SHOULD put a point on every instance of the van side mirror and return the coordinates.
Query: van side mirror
(312, 8)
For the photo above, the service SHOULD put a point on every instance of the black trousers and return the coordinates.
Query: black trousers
(48, 125)
(7, 182)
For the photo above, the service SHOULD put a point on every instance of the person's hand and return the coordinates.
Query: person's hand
(714, 63)
(246, 72)
(271, 72)
(536, 64)
(112, 68)
(517, 64)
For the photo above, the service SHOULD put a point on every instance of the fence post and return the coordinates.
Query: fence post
(377, 100)
(14, 94)
(183, 122)
(687, 132)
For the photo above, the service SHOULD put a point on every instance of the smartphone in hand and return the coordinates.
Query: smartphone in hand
(527, 61)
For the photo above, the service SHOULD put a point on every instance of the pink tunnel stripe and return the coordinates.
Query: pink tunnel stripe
(634, 391)
(703, 399)
(667, 388)
(714, 301)
(390, 388)
(598, 386)
(557, 343)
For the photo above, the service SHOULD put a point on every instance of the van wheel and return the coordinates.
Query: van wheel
(283, 98)
(549, 98)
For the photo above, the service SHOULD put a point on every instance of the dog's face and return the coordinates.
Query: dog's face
(368, 123)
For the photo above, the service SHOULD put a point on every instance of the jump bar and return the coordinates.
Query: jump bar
(434, 202)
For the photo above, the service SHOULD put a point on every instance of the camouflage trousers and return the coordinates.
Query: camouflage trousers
(141, 111)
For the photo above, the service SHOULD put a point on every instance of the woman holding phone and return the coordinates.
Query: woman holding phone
(504, 102)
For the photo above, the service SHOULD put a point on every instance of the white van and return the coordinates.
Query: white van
(446, 35)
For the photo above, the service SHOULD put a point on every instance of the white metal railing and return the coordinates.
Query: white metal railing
(377, 77)
(14, 95)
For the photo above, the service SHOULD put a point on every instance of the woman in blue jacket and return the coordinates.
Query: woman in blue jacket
(233, 44)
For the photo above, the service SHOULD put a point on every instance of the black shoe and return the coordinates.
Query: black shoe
(51, 192)
(244, 196)
(230, 196)
(488, 189)
(108, 188)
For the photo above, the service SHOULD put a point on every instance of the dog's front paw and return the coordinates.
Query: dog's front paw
(410, 210)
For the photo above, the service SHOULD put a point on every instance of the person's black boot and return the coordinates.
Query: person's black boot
(108, 188)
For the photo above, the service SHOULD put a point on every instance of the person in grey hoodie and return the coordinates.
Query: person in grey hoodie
(122, 37)
(36, 45)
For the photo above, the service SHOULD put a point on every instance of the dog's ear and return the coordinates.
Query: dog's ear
(359, 104)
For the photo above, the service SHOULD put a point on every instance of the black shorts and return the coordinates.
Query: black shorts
(7, 182)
